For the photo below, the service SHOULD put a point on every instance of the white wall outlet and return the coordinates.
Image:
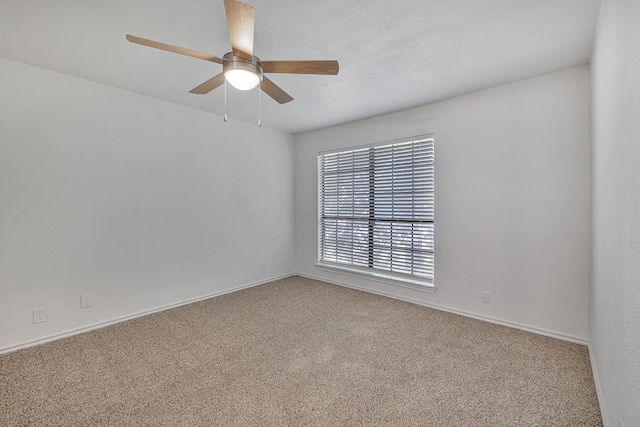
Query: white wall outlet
(86, 300)
(264, 268)
(39, 315)
(486, 297)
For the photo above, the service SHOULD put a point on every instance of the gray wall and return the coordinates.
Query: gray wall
(615, 306)
(143, 203)
(512, 201)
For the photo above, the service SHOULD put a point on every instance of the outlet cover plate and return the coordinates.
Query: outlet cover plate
(486, 297)
(86, 300)
(39, 315)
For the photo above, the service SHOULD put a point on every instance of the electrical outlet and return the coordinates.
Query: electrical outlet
(621, 423)
(39, 315)
(264, 268)
(486, 297)
(86, 300)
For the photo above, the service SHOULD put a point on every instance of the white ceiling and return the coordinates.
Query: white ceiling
(393, 54)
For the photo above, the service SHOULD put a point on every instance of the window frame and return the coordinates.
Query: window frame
(386, 276)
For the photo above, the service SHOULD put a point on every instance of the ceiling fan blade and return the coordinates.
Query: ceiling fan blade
(240, 20)
(271, 89)
(300, 67)
(175, 49)
(209, 85)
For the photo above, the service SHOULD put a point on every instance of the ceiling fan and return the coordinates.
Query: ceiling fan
(241, 68)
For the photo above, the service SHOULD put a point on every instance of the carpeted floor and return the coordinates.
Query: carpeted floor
(298, 352)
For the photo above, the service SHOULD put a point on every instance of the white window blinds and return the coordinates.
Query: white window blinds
(376, 207)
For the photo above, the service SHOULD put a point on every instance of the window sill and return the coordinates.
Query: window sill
(388, 279)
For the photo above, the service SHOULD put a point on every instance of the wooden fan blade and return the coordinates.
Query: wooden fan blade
(300, 67)
(271, 89)
(240, 20)
(209, 85)
(174, 49)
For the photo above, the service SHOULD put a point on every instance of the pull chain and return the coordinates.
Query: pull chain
(259, 103)
(225, 100)
(259, 107)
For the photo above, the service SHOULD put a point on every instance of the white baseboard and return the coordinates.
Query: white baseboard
(528, 328)
(539, 331)
(599, 391)
(99, 325)
(110, 322)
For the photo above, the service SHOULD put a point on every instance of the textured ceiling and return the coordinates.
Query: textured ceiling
(392, 54)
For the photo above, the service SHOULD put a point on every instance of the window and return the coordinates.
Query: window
(376, 209)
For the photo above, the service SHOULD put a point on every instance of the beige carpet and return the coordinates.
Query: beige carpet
(298, 352)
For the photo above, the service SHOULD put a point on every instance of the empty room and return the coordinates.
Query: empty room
(297, 213)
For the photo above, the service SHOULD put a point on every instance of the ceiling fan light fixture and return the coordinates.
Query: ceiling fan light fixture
(240, 73)
(242, 79)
